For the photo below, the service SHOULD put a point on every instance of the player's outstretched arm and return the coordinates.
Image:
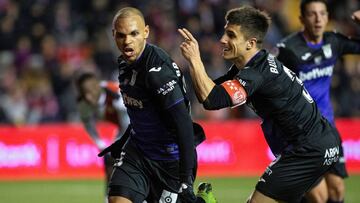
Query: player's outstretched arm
(356, 16)
(190, 50)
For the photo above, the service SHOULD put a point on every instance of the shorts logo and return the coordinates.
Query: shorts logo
(331, 155)
(168, 197)
(119, 161)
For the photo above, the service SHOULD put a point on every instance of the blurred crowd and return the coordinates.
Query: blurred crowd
(44, 44)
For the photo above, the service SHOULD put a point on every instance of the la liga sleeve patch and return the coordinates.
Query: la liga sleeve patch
(236, 91)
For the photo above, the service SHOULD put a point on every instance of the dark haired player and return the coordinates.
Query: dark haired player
(306, 143)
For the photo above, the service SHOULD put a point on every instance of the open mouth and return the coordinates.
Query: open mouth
(128, 52)
(225, 49)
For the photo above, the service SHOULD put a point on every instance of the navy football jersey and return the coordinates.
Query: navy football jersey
(314, 63)
(290, 116)
(149, 86)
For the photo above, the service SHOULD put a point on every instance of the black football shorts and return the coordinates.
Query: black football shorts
(295, 171)
(138, 178)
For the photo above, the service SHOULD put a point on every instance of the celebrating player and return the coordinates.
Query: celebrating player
(307, 144)
(158, 162)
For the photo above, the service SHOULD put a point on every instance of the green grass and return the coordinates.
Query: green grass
(226, 190)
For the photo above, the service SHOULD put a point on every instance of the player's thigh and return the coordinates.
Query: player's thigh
(336, 186)
(292, 174)
(318, 193)
(165, 184)
(129, 178)
(257, 197)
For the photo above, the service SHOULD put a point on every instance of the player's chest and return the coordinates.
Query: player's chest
(309, 57)
(134, 91)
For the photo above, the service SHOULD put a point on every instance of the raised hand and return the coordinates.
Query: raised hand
(190, 47)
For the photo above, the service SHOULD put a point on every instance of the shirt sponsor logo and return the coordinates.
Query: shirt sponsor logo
(316, 73)
(129, 101)
(168, 87)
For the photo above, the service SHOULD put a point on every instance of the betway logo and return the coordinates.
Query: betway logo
(316, 73)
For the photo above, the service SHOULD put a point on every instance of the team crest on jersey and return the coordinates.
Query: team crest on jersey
(327, 51)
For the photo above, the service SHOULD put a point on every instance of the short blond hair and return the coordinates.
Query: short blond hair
(127, 12)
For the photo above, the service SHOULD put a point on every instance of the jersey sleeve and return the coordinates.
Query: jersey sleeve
(165, 83)
(287, 56)
(251, 80)
(233, 70)
(347, 45)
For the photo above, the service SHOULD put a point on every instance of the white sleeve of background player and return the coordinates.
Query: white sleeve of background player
(119, 104)
(236, 92)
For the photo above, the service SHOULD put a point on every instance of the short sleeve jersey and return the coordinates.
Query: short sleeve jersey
(314, 63)
(149, 87)
(290, 117)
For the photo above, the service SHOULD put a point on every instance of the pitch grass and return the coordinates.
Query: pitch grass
(226, 190)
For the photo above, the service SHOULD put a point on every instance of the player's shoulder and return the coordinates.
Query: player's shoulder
(157, 56)
(160, 63)
(333, 36)
(270, 67)
(290, 41)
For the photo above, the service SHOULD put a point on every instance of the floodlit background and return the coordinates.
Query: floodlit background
(43, 43)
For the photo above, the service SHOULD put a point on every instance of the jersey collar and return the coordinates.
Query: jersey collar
(256, 58)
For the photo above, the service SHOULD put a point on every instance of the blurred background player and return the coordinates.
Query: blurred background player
(101, 101)
(312, 55)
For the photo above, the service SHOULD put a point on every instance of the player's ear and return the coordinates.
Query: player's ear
(251, 43)
(146, 31)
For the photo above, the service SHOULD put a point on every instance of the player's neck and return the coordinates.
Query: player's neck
(312, 38)
(241, 61)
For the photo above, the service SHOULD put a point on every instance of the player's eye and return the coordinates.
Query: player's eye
(120, 35)
(231, 35)
(135, 33)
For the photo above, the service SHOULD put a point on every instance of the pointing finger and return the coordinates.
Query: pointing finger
(183, 34)
(188, 34)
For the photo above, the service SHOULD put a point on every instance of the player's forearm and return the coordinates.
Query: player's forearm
(201, 81)
(185, 137)
(91, 130)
